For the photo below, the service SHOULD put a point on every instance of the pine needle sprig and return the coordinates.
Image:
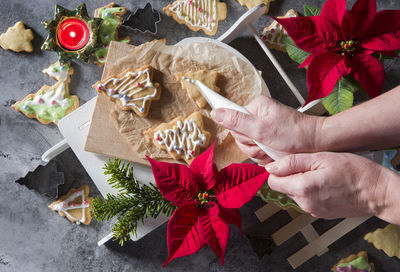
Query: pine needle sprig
(133, 204)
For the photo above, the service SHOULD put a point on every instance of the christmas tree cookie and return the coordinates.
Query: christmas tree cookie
(17, 38)
(182, 138)
(198, 14)
(354, 263)
(386, 239)
(50, 103)
(75, 205)
(252, 3)
(209, 78)
(108, 31)
(131, 90)
(273, 34)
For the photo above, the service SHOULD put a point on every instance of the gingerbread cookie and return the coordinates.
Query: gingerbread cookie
(108, 31)
(354, 263)
(17, 38)
(198, 14)
(182, 137)
(386, 239)
(209, 78)
(50, 103)
(273, 34)
(252, 3)
(131, 90)
(75, 205)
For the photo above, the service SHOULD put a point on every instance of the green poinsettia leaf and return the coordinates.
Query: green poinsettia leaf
(341, 98)
(311, 11)
(293, 51)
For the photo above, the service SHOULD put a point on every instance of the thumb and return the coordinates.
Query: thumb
(246, 124)
(291, 164)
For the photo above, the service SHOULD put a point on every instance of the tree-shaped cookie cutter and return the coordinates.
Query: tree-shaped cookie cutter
(74, 127)
(137, 20)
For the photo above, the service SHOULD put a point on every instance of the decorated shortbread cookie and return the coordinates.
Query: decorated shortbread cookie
(75, 205)
(182, 137)
(108, 31)
(354, 263)
(50, 103)
(198, 14)
(209, 78)
(59, 71)
(386, 239)
(274, 34)
(281, 200)
(252, 3)
(17, 38)
(131, 90)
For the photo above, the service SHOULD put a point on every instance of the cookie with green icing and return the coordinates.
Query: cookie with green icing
(354, 263)
(50, 103)
(280, 199)
(111, 15)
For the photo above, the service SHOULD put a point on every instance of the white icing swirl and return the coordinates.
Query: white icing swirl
(51, 98)
(184, 138)
(126, 89)
(65, 206)
(198, 13)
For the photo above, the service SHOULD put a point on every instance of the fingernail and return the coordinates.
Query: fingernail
(271, 167)
(218, 115)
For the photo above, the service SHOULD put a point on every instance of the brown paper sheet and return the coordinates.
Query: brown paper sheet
(239, 82)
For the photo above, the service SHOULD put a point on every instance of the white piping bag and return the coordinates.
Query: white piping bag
(217, 101)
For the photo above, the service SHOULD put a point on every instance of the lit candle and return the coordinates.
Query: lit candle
(73, 34)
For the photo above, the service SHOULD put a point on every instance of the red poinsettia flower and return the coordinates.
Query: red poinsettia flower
(207, 200)
(342, 42)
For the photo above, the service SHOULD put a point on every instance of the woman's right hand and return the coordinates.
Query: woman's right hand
(273, 124)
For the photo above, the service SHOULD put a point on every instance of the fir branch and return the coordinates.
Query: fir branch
(134, 203)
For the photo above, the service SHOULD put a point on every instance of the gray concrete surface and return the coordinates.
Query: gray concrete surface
(32, 238)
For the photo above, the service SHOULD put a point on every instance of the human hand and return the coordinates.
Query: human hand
(331, 185)
(275, 125)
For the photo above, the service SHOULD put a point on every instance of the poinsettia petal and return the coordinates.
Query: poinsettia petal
(357, 22)
(183, 236)
(384, 34)
(369, 72)
(312, 34)
(176, 182)
(238, 183)
(307, 61)
(323, 72)
(214, 231)
(231, 216)
(204, 166)
(333, 10)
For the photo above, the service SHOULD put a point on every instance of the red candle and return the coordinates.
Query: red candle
(73, 34)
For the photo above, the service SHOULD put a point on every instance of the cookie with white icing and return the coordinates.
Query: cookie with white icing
(273, 34)
(131, 90)
(209, 78)
(50, 103)
(75, 205)
(182, 138)
(17, 38)
(198, 14)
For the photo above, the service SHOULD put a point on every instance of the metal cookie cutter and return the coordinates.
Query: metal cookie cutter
(143, 19)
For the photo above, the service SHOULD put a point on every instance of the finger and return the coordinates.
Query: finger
(243, 139)
(254, 152)
(246, 124)
(291, 185)
(291, 164)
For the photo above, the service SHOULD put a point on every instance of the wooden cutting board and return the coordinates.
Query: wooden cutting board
(104, 138)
